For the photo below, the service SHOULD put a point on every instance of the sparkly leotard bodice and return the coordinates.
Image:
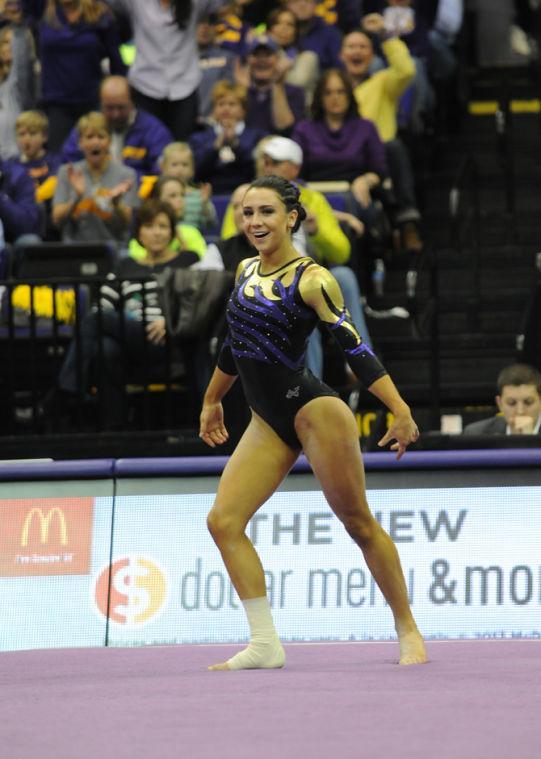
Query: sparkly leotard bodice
(269, 325)
(268, 321)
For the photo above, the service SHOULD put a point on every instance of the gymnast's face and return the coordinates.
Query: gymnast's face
(266, 223)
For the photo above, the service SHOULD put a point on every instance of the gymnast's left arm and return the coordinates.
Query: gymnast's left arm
(320, 290)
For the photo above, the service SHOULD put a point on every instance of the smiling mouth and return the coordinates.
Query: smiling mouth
(259, 235)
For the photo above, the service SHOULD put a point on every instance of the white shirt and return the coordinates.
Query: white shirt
(166, 65)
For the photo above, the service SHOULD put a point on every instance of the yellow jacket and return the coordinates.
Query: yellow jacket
(330, 245)
(378, 96)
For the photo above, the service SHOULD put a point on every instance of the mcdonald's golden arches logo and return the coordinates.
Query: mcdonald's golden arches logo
(45, 536)
(44, 525)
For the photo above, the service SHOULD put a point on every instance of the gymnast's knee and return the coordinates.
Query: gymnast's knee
(361, 527)
(302, 426)
(326, 416)
(223, 527)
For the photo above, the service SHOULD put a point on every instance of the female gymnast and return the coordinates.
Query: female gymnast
(278, 299)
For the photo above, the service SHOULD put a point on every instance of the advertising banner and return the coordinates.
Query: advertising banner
(47, 536)
(49, 548)
(470, 556)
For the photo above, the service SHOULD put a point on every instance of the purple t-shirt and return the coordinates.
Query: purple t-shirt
(341, 154)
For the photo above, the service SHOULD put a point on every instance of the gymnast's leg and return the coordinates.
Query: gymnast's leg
(258, 465)
(327, 429)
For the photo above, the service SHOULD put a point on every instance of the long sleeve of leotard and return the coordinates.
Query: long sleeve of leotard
(360, 357)
(323, 293)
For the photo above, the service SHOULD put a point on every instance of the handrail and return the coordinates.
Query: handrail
(504, 132)
(466, 177)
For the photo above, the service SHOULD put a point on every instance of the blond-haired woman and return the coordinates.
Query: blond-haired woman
(94, 197)
(224, 151)
(74, 38)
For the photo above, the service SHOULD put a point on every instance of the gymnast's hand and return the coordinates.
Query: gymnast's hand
(211, 425)
(404, 431)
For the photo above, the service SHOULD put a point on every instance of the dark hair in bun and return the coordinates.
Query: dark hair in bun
(287, 192)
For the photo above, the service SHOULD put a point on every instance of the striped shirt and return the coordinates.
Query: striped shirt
(134, 289)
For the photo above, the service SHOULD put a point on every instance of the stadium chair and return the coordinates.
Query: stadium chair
(52, 260)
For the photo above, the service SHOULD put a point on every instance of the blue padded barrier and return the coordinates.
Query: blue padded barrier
(467, 459)
(170, 467)
(79, 469)
(208, 465)
(182, 466)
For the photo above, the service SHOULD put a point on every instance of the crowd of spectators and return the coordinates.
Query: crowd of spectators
(104, 105)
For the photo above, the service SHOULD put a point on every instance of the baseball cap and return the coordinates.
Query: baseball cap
(283, 149)
(262, 41)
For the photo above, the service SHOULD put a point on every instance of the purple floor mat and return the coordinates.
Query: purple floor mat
(475, 699)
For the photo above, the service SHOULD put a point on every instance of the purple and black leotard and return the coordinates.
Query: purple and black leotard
(269, 326)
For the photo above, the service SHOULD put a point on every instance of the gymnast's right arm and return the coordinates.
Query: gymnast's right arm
(211, 421)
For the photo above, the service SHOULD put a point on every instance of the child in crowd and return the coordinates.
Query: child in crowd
(177, 161)
(172, 190)
(31, 132)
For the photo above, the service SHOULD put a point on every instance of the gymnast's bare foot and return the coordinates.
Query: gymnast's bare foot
(223, 665)
(412, 647)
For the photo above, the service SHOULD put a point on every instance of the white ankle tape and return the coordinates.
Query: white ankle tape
(264, 650)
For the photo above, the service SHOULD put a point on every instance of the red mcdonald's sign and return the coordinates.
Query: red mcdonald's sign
(45, 536)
